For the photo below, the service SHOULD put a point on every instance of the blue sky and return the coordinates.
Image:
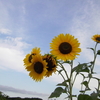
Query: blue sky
(25, 24)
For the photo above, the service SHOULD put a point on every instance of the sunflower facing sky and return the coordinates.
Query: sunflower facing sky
(38, 68)
(96, 38)
(51, 64)
(35, 50)
(28, 58)
(65, 47)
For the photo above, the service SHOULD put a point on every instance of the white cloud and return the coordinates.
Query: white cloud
(11, 58)
(12, 19)
(5, 31)
(84, 25)
(12, 54)
(16, 90)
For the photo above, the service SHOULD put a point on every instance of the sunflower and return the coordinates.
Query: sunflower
(35, 51)
(51, 64)
(65, 47)
(28, 57)
(38, 68)
(96, 38)
(27, 60)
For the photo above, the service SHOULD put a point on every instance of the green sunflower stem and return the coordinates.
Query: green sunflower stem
(71, 81)
(92, 68)
(95, 55)
(98, 84)
(69, 78)
(61, 75)
(64, 70)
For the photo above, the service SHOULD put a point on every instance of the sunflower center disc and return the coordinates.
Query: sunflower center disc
(38, 67)
(98, 38)
(65, 48)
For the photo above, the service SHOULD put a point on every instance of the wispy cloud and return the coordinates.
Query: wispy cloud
(12, 53)
(5, 31)
(16, 90)
(84, 25)
(12, 19)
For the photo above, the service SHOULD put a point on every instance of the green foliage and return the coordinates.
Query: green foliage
(57, 92)
(86, 70)
(85, 83)
(81, 68)
(64, 83)
(84, 97)
(94, 95)
(3, 96)
(98, 52)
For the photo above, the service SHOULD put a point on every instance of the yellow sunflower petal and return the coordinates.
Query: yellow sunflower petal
(65, 47)
(36, 50)
(38, 68)
(96, 38)
(26, 60)
(51, 64)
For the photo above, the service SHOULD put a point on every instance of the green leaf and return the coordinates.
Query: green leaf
(98, 92)
(64, 83)
(57, 92)
(81, 68)
(91, 49)
(98, 52)
(60, 71)
(94, 95)
(84, 97)
(82, 75)
(82, 91)
(85, 83)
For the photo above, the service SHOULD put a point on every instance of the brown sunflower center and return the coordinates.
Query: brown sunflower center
(38, 67)
(50, 62)
(98, 38)
(30, 57)
(65, 48)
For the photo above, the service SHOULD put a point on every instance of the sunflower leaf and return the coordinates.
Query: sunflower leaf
(83, 75)
(57, 92)
(85, 83)
(81, 68)
(91, 48)
(94, 95)
(98, 52)
(84, 97)
(64, 83)
(98, 92)
(60, 71)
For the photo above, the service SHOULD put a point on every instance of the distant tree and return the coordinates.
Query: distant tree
(6, 97)
(3, 96)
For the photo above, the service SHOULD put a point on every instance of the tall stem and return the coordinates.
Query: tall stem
(71, 80)
(64, 70)
(61, 75)
(95, 55)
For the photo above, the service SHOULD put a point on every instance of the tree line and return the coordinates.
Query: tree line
(6, 97)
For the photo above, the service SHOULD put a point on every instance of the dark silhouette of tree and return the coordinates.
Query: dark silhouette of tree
(6, 97)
